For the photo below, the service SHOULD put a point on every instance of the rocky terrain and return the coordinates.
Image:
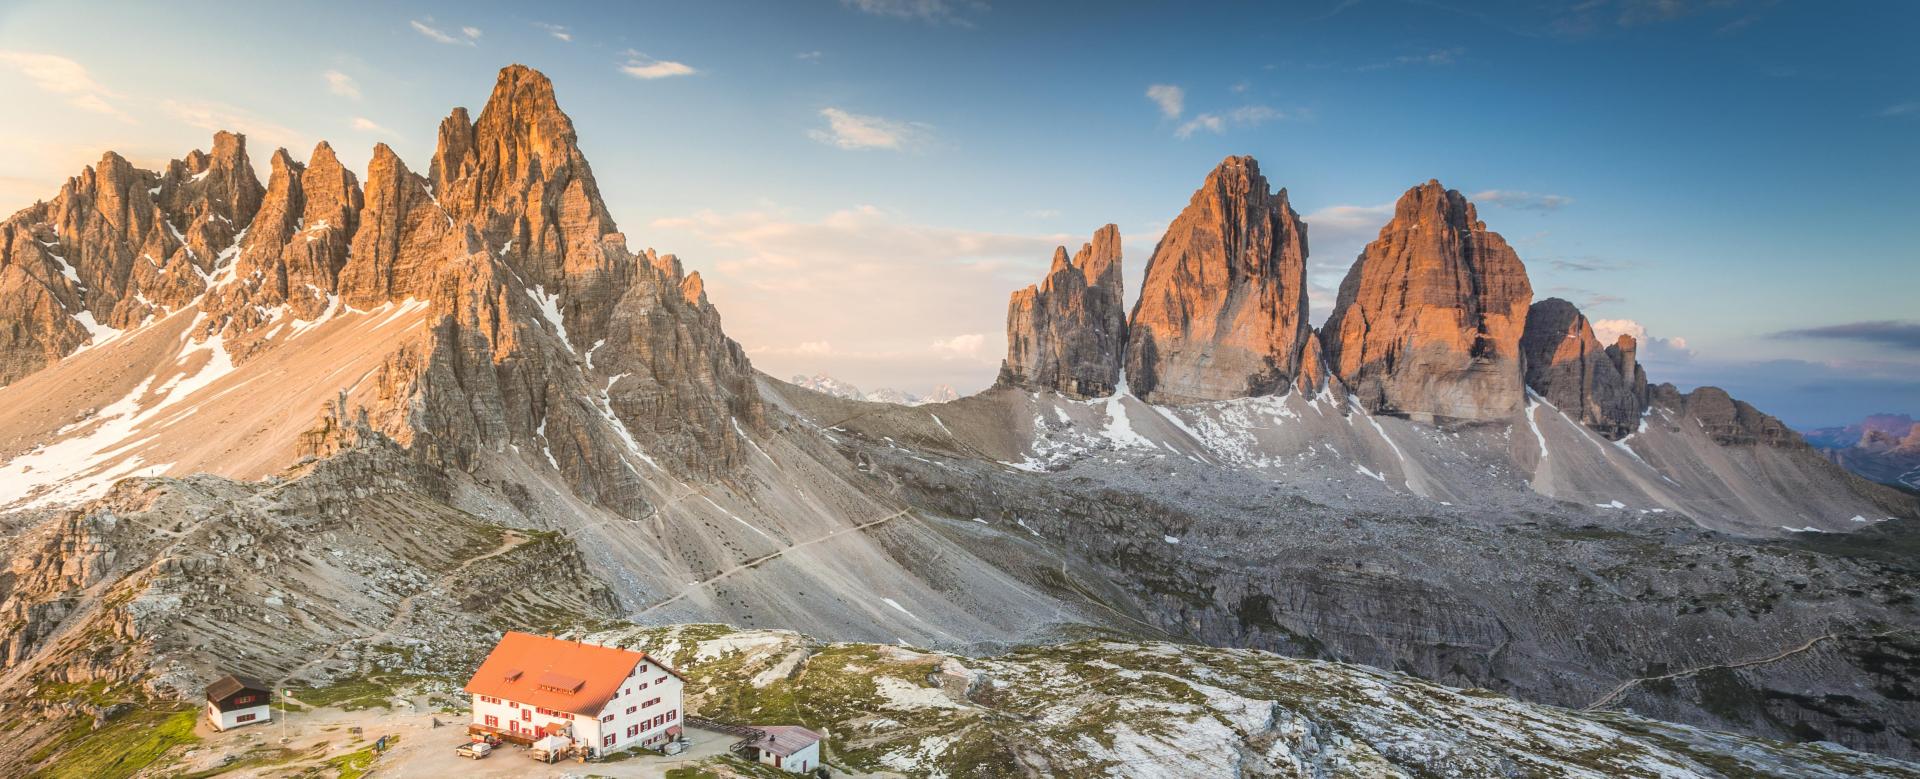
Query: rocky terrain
(305, 429)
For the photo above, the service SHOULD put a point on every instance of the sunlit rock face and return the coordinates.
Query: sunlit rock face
(1222, 311)
(1429, 319)
(1567, 366)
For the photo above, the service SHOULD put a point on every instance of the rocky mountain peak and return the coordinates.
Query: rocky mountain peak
(1069, 332)
(1566, 365)
(1428, 321)
(1222, 310)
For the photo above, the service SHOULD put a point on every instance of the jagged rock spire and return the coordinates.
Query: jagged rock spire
(1069, 332)
(1222, 311)
(1567, 366)
(1428, 321)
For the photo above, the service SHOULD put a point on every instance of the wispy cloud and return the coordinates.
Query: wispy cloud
(931, 11)
(1431, 58)
(1244, 116)
(1171, 99)
(1910, 108)
(366, 125)
(859, 131)
(468, 36)
(968, 345)
(809, 56)
(642, 66)
(1587, 264)
(214, 116)
(559, 32)
(65, 77)
(1520, 201)
(1904, 336)
(342, 84)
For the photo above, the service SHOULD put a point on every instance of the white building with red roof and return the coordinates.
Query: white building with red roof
(604, 698)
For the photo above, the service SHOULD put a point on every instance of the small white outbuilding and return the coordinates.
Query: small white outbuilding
(788, 747)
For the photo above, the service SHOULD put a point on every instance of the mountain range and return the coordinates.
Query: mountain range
(335, 422)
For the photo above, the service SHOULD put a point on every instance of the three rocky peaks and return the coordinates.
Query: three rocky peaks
(1435, 320)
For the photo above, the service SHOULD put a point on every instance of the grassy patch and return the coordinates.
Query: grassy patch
(360, 762)
(122, 748)
(355, 693)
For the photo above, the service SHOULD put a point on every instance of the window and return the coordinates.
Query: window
(606, 740)
(245, 699)
(608, 718)
(633, 730)
(526, 715)
(245, 718)
(673, 715)
(489, 699)
(661, 680)
(632, 709)
(643, 685)
(513, 704)
(493, 721)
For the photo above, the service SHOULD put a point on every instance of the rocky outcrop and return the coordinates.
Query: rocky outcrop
(1625, 354)
(117, 247)
(1069, 333)
(1222, 310)
(1312, 376)
(1567, 367)
(1429, 319)
(1728, 421)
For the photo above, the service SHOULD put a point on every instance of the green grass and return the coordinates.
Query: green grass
(122, 748)
(355, 693)
(360, 762)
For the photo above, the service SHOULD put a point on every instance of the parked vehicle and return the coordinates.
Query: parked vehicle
(476, 750)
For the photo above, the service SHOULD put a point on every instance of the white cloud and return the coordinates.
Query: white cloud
(809, 56)
(1524, 201)
(859, 131)
(364, 124)
(1216, 123)
(968, 345)
(341, 84)
(1651, 348)
(559, 32)
(62, 76)
(1171, 99)
(438, 35)
(1901, 109)
(933, 11)
(643, 67)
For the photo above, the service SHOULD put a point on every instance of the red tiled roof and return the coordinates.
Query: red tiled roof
(555, 674)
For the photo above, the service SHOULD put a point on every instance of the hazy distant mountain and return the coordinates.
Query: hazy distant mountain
(829, 385)
(1882, 447)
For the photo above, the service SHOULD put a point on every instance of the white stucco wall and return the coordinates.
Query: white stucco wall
(643, 685)
(227, 720)
(801, 761)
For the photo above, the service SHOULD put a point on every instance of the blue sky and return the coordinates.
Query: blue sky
(863, 182)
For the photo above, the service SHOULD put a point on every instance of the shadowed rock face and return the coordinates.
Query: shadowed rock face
(1222, 311)
(1566, 365)
(1069, 333)
(1625, 354)
(1429, 319)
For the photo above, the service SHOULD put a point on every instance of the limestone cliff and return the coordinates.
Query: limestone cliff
(1567, 366)
(1429, 319)
(1222, 310)
(1069, 332)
